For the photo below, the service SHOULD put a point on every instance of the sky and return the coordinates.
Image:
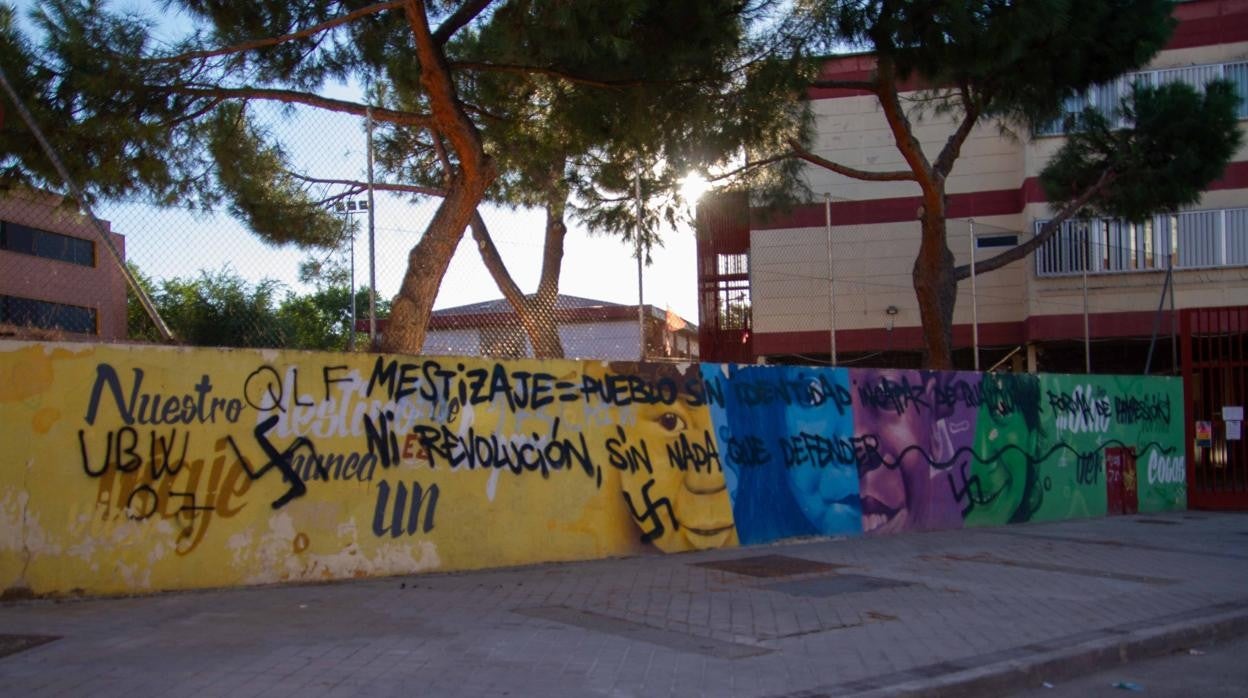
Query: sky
(166, 243)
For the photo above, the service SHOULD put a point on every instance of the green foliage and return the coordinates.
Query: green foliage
(322, 318)
(139, 325)
(573, 96)
(1178, 140)
(256, 178)
(221, 309)
(567, 96)
(128, 122)
(112, 132)
(1019, 59)
(1016, 63)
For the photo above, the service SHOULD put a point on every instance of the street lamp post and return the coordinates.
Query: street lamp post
(827, 225)
(1087, 336)
(641, 308)
(974, 300)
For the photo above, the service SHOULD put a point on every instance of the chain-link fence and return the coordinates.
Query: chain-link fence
(215, 283)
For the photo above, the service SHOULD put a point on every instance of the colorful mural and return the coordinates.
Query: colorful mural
(130, 469)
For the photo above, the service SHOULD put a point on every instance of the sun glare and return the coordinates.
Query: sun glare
(692, 187)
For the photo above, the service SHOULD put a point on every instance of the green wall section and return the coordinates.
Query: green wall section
(1041, 445)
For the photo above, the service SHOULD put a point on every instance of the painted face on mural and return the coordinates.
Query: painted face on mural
(824, 486)
(915, 427)
(681, 502)
(1004, 486)
(892, 470)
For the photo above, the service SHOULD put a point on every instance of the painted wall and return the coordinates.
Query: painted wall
(130, 469)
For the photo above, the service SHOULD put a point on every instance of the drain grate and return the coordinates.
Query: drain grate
(1160, 522)
(823, 587)
(12, 644)
(770, 566)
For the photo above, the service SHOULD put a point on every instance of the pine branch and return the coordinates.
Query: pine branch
(953, 147)
(527, 70)
(894, 176)
(310, 99)
(751, 166)
(1047, 231)
(464, 14)
(285, 38)
(194, 115)
(355, 186)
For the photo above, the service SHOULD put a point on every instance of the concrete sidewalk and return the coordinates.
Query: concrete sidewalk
(972, 612)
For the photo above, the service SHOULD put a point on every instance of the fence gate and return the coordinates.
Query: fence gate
(1215, 368)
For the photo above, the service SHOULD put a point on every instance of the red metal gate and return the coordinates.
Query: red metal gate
(1215, 367)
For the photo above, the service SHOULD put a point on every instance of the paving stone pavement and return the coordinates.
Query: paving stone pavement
(984, 611)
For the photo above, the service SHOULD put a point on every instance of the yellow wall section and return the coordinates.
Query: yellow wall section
(129, 469)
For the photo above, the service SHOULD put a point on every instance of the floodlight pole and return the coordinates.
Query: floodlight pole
(372, 248)
(351, 335)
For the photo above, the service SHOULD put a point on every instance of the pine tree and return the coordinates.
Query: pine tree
(520, 101)
(1017, 62)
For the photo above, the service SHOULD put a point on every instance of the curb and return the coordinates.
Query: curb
(1126, 643)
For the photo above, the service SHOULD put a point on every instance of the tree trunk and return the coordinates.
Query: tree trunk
(536, 312)
(428, 260)
(543, 328)
(427, 264)
(936, 288)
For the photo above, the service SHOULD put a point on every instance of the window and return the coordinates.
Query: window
(727, 296)
(27, 312)
(1064, 252)
(15, 237)
(1237, 237)
(733, 263)
(1107, 98)
(1187, 240)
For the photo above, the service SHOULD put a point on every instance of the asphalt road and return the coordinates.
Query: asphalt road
(1214, 671)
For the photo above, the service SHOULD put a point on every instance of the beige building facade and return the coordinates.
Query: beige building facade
(837, 270)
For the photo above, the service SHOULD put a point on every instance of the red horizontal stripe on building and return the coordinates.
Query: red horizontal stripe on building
(1037, 328)
(1000, 202)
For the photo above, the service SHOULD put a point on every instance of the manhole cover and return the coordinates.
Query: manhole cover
(1161, 522)
(12, 644)
(770, 566)
(835, 585)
